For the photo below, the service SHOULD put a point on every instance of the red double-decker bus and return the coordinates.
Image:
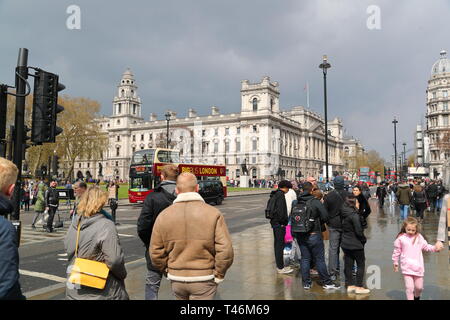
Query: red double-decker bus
(145, 171)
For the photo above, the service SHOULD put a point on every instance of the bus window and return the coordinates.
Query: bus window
(140, 184)
(143, 157)
(167, 156)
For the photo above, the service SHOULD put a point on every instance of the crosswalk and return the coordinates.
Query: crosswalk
(31, 236)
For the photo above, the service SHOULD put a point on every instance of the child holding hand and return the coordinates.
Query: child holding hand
(409, 245)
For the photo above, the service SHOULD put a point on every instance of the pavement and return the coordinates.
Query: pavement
(253, 273)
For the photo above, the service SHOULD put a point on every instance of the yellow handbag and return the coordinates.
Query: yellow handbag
(86, 272)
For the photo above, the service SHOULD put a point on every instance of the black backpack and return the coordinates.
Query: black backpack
(301, 221)
(270, 207)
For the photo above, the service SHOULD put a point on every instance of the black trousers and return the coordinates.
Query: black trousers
(350, 256)
(381, 201)
(278, 243)
(420, 208)
(51, 216)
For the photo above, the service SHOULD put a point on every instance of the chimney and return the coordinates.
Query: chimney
(214, 111)
(153, 116)
(192, 113)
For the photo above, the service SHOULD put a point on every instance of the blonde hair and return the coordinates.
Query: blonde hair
(170, 172)
(92, 201)
(411, 221)
(8, 174)
(186, 182)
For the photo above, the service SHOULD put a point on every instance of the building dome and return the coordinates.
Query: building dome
(128, 74)
(442, 65)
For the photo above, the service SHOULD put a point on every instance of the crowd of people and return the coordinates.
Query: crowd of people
(303, 217)
(187, 241)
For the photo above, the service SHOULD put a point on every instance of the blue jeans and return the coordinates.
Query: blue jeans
(438, 205)
(404, 211)
(311, 247)
(152, 284)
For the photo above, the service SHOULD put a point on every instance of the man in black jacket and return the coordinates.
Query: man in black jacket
(333, 202)
(51, 204)
(432, 194)
(381, 194)
(279, 222)
(9, 257)
(311, 243)
(158, 200)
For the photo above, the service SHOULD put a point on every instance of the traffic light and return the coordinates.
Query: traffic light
(45, 107)
(25, 144)
(44, 171)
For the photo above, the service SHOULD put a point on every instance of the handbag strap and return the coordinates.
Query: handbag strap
(78, 235)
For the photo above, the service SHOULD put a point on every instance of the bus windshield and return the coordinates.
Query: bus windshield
(140, 184)
(143, 157)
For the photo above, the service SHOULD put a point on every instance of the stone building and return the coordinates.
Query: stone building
(273, 143)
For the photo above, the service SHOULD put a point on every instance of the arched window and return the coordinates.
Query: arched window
(117, 152)
(119, 108)
(255, 104)
(134, 108)
(122, 93)
(271, 104)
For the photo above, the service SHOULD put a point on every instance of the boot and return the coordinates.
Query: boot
(417, 298)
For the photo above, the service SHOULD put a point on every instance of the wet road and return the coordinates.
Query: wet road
(253, 274)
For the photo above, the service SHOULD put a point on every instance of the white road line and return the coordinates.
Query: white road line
(62, 254)
(42, 275)
(63, 259)
(125, 235)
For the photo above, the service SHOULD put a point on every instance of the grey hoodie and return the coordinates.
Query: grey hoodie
(98, 241)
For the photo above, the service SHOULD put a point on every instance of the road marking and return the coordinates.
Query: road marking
(42, 275)
(63, 259)
(62, 254)
(125, 235)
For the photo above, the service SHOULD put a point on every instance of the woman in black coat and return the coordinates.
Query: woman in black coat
(364, 207)
(352, 244)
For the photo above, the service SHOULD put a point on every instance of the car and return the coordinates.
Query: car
(211, 191)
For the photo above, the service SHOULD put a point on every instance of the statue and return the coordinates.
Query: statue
(244, 168)
(100, 169)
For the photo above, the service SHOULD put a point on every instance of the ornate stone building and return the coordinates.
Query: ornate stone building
(438, 114)
(273, 143)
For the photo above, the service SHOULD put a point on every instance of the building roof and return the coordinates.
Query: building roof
(442, 65)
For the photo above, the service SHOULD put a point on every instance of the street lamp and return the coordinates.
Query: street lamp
(324, 66)
(404, 160)
(395, 148)
(167, 119)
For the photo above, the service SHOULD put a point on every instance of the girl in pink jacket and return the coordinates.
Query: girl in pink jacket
(409, 246)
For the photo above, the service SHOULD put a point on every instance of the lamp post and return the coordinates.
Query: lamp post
(395, 148)
(404, 159)
(167, 119)
(324, 66)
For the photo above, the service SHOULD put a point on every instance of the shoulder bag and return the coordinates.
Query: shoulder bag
(86, 272)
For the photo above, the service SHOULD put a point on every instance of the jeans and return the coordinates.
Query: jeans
(311, 247)
(433, 203)
(350, 256)
(278, 243)
(438, 205)
(404, 211)
(51, 215)
(36, 216)
(152, 280)
(333, 253)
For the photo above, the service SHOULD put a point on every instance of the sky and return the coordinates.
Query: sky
(194, 54)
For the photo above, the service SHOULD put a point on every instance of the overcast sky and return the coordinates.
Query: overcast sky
(195, 53)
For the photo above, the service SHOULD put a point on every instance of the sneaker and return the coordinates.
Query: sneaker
(351, 289)
(331, 286)
(307, 286)
(361, 290)
(285, 270)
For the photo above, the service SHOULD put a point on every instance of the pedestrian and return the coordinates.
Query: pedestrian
(97, 240)
(79, 188)
(191, 244)
(440, 191)
(279, 220)
(353, 241)
(310, 241)
(404, 197)
(51, 204)
(442, 237)
(9, 260)
(113, 191)
(290, 197)
(408, 246)
(432, 194)
(381, 194)
(26, 198)
(155, 202)
(419, 201)
(39, 206)
(333, 202)
(364, 207)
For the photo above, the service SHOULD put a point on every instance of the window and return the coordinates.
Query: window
(445, 106)
(117, 163)
(108, 125)
(255, 104)
(88, 164)
(238, 130)
(150, 136)
(238, 173)
(445, 93)
(216, 147)
(118, 121)
(253, 159)
(122, 93)
(134, 149)
(118, 138)
(119, 108)
(134, 108)
(203, 133)
(271, 104)
(255, 145)
(79, 165)
(255, 129)
(254, 173)
(445, 120)
(238, 146)
(117, 152)
(134, 138)
(227, 146)
(142, 137)
(227, 131)
(216, 131)
(434, 95)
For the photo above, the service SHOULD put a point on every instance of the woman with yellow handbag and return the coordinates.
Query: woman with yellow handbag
(97, 268)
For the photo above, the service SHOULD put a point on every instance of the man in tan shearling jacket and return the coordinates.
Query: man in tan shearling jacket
(191, 243)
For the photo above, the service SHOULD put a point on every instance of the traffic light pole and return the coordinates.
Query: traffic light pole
(21, 76)
(3, 113)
